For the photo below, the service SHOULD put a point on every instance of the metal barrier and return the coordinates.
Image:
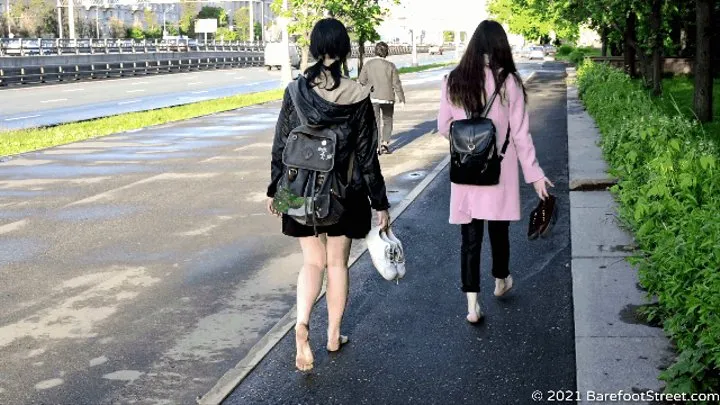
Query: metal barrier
(103, 70)
(103, 59)
(35, 47)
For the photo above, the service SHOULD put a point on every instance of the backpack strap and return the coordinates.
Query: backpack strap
(294, 90)
(505, 145)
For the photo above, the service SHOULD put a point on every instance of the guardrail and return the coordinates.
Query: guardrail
(41, 47)
(145, 58)
(46, 47)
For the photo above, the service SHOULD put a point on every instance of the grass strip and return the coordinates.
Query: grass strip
(27, 140)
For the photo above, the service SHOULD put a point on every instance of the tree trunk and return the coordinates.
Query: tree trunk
(630, 55)
(604, 37)
(703, 72)
(361, 55)
(304, 61)
(657, 45)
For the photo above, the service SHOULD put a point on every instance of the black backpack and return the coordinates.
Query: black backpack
(473, 149)
(311, 190)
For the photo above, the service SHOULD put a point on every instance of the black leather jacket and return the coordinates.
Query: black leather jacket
(358, 134)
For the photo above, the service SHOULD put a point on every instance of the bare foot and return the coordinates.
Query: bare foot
(475, 316)
(304, 357)
(334, 344)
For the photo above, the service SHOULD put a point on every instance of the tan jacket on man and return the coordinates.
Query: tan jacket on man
(384, 79)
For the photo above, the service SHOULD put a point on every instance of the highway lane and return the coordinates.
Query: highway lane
(54, 104)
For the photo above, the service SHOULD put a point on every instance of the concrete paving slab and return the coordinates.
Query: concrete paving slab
(586, 164)
(606, 298)
(611, 364)
(596, 231)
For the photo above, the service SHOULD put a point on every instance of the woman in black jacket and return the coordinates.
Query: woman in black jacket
(327, 99)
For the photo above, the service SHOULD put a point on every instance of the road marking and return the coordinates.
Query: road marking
(135, 91)
(129, 102)
(138, 83)
(57, 100)
(194, 83)
(72, 90)
(200, 92)
(21, 118)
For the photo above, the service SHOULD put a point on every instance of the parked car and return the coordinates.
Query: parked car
(274, 55)
(536, 52)
(435, 50)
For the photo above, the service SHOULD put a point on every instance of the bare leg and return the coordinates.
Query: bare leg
(308, 289)
(338, 251)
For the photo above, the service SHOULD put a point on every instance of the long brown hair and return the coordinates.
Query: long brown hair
(466, 83)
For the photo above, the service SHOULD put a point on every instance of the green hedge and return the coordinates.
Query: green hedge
(669, 196)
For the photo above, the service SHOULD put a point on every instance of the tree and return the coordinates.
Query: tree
(304, 14)
(150, 19)
(448, 36)
(225, 34)
(241, 22)
(187, 18)
(117, 28)
(703, 101)
(535, 19)
(217, 13)
(362, 17)
(257, 27)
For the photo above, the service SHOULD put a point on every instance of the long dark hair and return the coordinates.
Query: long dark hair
(329, 38)
(466, 83)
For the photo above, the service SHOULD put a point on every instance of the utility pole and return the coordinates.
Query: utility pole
(97, 21)
(262, 21)
(414, 47)
(71, 19)
(59, 20)
(286, 73)
(251, 12)
(7, 18)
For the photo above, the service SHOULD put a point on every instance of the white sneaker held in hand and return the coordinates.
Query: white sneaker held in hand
(381, 253)
(399, 257)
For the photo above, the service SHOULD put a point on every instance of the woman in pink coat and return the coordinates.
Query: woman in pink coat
(487, 64)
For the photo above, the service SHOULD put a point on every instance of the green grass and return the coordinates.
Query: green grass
(414, 69)
(678, 94)
(26, 140)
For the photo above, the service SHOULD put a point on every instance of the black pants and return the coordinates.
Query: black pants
(472, 236)
(384, 116)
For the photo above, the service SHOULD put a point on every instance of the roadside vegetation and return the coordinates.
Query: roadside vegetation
(576, 56)
(668, 166)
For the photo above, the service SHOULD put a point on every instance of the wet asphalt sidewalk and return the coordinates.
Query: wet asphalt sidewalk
(410, 342)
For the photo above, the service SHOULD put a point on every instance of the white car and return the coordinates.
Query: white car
(537, 52)
(435, 50)
(274, 55)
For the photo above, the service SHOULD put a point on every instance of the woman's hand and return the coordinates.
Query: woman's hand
(383, 218)
(541, 189)
(270, 209)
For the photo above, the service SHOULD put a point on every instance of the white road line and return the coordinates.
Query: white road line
(138, 83)
(57, 100)
(194, 83)
(129, 102)
(135, 91)
(21, 118)
(200, 92)
(72, 90)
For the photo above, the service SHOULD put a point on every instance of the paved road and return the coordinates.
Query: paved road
(54, 104)
(410, 343)
(139, 267)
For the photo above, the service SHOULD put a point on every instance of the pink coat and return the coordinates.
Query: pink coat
(500, 202)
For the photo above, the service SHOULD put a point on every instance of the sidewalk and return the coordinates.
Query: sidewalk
(410, 342)
(614, 349)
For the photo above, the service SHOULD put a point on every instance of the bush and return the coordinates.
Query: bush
(225, 34)
(135, 33)
(577, 57)
(565, 50)
(669, 195)
(153, 33)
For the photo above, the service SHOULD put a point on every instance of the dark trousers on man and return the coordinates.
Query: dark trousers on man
(384, 115)
(472, 236)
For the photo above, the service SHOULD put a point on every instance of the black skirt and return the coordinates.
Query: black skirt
(355, 222)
